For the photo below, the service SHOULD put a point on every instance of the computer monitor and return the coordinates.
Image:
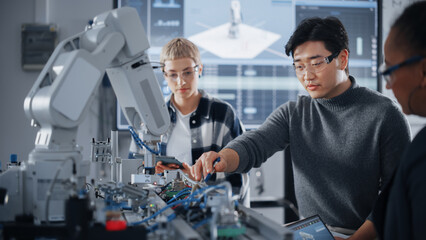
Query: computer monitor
(244, 61)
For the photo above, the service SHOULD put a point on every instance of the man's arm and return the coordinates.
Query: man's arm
(229, 161)
(395, 135)
(254, 146)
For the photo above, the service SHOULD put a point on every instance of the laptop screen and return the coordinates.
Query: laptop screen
(310, 228)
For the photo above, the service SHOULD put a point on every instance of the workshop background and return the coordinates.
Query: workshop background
(69, 18)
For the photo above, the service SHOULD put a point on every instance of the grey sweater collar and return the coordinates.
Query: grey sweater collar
(343, 100)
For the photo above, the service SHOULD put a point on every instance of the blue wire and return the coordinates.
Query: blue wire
(203, 189)
(236, 204)
(159, 212)
(182, 192)
(152, 228)
(165, 186)
(171, 217)
(209, 175)
(201, 223)
(190, 198)
(111, 205)
(82, 192)
(139, 142)
(183, 201)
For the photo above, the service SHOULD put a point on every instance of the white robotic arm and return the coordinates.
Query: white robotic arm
(60, 98)
(65, 88)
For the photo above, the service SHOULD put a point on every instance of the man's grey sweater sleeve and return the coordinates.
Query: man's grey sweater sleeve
(395, 135)
(256, 146)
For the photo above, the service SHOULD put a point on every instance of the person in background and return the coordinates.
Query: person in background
(400, 211)
(199, 122)
(345, 140)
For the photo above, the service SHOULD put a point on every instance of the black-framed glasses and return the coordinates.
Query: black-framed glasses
(386, 72)
(185, 75)
(315, 66)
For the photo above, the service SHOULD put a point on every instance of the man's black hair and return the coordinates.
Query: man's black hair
(328, 30)
(411, 28)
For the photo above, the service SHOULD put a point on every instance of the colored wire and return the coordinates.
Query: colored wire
(213, 171)
(201, 223)
(192, 198)
(140, 143)
(182, 192)
(159, 212)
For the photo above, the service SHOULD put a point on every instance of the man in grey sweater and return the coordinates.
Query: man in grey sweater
(345, 140)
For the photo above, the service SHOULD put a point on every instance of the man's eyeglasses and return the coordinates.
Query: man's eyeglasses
(386, 72)
(315, 66)
(185, 75)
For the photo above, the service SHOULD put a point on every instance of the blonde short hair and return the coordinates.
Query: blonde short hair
(180, 48)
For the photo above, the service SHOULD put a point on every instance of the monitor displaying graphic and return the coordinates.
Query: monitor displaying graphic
(242, 46)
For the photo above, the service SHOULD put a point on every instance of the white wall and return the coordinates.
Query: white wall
(16, 134)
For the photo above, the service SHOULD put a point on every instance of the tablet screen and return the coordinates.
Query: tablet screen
(310, 228)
